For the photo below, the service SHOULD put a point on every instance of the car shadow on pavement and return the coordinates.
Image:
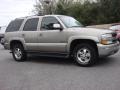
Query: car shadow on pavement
(65, 61)
(106, 61)
(50, 60)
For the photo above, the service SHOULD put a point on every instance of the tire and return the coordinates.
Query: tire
(19, 53)
(85, 55)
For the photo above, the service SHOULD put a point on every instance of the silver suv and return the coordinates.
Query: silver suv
(59, 35)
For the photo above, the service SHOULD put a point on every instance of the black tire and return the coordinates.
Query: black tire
(23, 54)
(86, 59)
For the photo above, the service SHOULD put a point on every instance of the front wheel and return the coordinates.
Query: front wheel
(85, 54)
(18, 53)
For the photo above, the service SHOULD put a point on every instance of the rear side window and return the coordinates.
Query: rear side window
(14, 25)
(31, 24)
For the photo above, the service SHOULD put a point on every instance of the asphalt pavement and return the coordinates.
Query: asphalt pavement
(48, 73)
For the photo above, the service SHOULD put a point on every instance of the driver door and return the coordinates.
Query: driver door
(51, 39)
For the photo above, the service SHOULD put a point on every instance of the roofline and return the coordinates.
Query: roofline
(27, 17)
(37, 16)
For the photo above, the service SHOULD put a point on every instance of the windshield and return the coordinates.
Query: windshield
(70, 22)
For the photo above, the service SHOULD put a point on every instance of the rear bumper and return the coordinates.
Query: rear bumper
(107, 50)
(6, 46)
(1, 36)
(2, 41)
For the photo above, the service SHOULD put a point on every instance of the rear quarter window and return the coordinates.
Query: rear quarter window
(14, 25)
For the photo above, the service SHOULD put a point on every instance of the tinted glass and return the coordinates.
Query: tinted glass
(47, 23)
(31, 24)
(14, 25)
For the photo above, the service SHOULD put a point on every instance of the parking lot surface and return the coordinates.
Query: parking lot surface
(47, 73)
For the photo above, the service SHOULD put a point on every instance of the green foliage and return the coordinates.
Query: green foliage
(89, 12)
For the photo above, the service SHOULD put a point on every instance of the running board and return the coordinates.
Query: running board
(65, 55)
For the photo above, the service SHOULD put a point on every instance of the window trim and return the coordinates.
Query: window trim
(53, 17)
(19, 27)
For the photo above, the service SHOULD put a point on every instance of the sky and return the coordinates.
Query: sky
(11, 9)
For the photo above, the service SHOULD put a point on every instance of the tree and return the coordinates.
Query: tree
(43, 7)
(86, 11)
(110, 9)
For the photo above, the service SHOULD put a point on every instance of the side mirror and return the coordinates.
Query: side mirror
(57, 26)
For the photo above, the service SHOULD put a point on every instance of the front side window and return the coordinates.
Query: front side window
(31, 24)
(70, 22)
(14, 25)
(48, 22)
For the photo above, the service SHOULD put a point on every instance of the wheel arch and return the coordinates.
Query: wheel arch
(75, 42)
(12, 42)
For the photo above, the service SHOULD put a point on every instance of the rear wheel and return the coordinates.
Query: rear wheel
(18, 53)
(85, 54)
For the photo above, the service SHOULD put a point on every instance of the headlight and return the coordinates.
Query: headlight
(107, 39)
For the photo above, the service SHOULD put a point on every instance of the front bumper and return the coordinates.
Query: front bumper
(107, 50)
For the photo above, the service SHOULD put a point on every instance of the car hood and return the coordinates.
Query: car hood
(90, 31)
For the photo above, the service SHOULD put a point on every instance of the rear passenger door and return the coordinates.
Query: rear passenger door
(30, 33)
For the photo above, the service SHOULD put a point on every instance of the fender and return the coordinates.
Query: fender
(95, 39)
(18, 39)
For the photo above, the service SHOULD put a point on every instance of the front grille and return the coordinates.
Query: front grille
(114, 34)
